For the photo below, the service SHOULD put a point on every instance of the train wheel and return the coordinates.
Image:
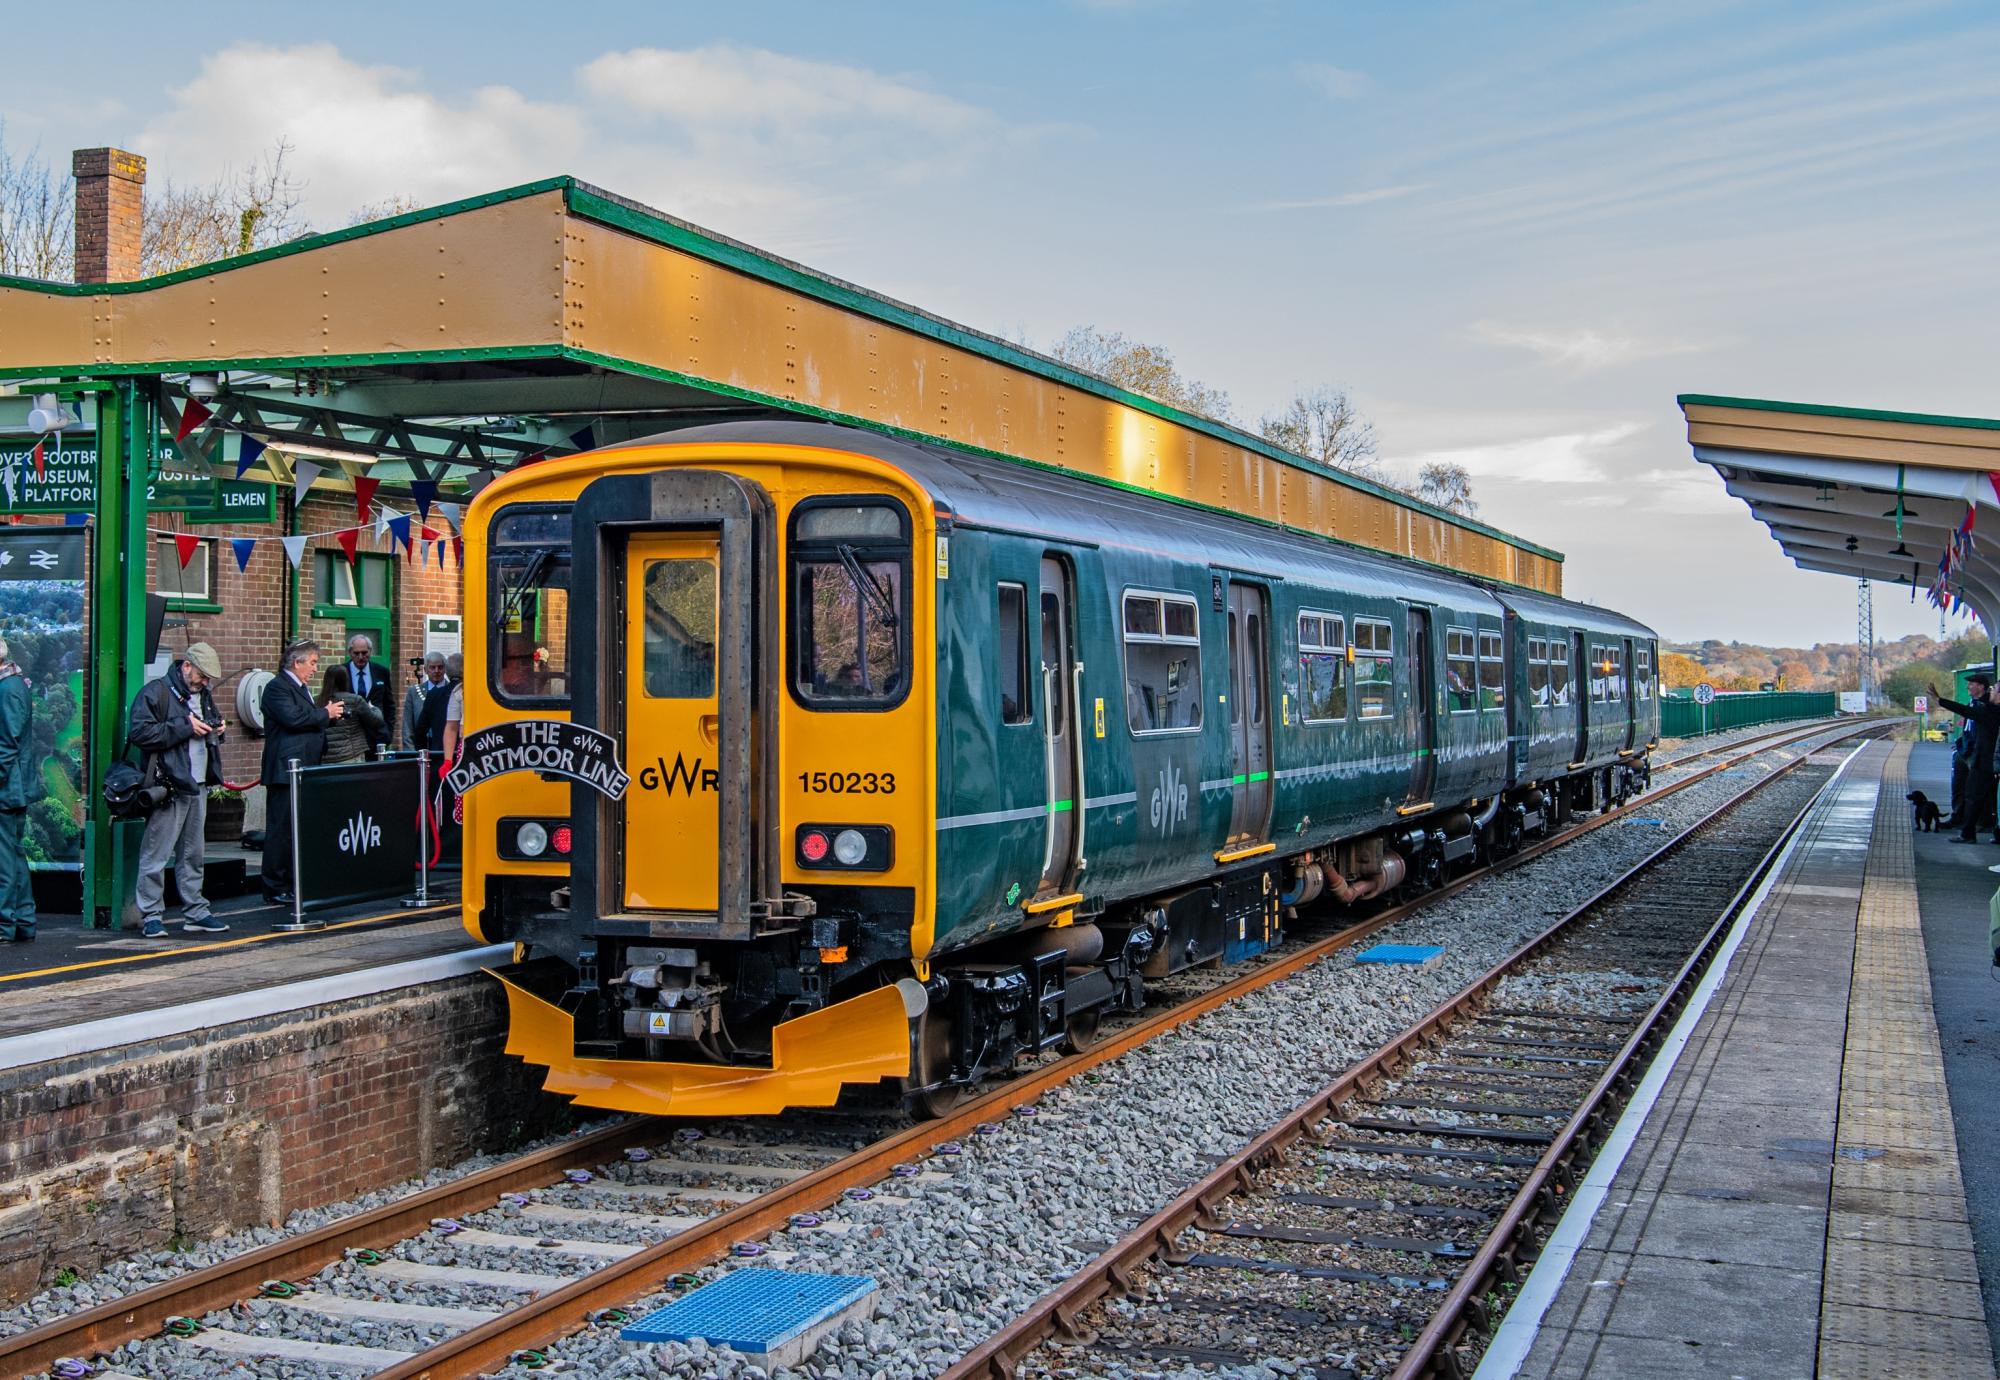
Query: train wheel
(1082, 1032)
(926, 1100)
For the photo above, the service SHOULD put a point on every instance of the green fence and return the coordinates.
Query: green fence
(1681, 717)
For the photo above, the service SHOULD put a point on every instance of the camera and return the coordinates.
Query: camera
(417, 663)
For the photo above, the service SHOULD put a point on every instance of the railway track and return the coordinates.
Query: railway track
(550, 1219)
(1382, 1227)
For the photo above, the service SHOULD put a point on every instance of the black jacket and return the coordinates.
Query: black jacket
(381, 694)
(1985, 717)
(293, 727)
(430, 723)
(158, 726)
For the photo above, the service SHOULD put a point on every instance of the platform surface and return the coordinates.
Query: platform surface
(1792, 1205)
(71, 975)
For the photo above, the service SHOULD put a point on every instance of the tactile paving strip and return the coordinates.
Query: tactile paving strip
(1901, 1289)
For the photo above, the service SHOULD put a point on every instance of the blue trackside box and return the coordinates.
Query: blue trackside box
(1419, 954)
(775, 1314)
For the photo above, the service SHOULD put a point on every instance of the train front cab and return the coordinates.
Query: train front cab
(733, 930)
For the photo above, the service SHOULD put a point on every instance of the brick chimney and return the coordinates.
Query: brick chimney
(110, 202)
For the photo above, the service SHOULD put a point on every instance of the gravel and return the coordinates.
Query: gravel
(963, 1249)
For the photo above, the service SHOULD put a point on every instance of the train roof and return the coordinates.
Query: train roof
(1549, 608)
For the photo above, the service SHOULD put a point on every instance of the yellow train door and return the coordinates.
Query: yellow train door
(672, 817)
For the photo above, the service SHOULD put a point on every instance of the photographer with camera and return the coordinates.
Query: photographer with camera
(175, 723)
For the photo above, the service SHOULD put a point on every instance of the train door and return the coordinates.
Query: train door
(1249, 714)
(1062, 850)
(1625, 674)
(1582, 676)
(1422, 718)
(673, 721)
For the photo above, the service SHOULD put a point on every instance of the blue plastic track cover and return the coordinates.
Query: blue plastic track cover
(751, 1310)
(1400, 953)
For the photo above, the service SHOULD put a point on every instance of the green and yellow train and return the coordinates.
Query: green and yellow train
(935, 759)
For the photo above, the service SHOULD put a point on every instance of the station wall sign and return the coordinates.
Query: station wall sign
(67, 483)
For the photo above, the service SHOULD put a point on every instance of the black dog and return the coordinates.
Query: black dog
(1927, 813)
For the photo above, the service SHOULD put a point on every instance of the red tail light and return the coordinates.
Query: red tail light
(560, 840)
(813, 846)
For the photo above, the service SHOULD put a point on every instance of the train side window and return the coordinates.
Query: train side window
(680, 624)
(850, 604)
(1600, 673)
(1642, 678)
(1461, 672)
(1052, 657)
(1538, 672)
(1017, 703)
(1614, 673)
(1322, 668)
(1374, 668)
(1559, 681)
(1253, 638)
(1162, 663)
(1492, 672)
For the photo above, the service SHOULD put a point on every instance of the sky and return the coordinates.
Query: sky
(1513, 232)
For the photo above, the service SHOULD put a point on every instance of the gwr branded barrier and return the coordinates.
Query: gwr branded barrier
(356, 832)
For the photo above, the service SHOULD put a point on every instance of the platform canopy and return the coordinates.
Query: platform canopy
(1901, 498)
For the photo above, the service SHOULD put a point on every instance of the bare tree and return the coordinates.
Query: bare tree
(384, 209)
(235, 214)
(1142, 368)
(36, 205)
(1322, 424)
(1445, 485)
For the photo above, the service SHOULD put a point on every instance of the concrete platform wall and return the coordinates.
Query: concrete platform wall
(135, 1149)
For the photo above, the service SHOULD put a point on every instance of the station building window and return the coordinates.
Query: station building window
(1322, 667)
(193, 583)
(1374, 668)
(1461, 670)
(1017, 704)
(1492, 672)
(1162, 663)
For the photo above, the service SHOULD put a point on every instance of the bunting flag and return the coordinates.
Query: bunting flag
(1900, 473)
(364, 494)
(40, 471)
(383, 513)
(425, 492)
(193, 415)
(399, 529)
(304, 472)
(244, 547)
(454, 513)
(185, 545)
(424, 555)
(76, 519)
(7, 478)
(348, 537)
(430, 534)
(253, 451)
(295, 549)
(440, 547)
(458, 552)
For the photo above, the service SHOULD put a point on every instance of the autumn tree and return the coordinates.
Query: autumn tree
(1322, 424)
(1142, 368)
(1680, 672)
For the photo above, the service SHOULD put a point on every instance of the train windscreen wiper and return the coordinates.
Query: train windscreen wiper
(878, 598)
(517, 590)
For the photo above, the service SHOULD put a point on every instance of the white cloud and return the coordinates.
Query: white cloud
(765, 146)
(1574, 457)
(1367, 197)
(1339, 83)
(1581, 349)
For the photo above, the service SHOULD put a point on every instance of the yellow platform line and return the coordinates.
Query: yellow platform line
(213, 946)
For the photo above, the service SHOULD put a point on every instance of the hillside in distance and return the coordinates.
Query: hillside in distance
(1904, 665)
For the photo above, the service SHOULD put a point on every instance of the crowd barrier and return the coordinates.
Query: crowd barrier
(359, 832)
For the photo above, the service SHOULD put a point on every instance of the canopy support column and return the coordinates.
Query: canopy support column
(127, 438)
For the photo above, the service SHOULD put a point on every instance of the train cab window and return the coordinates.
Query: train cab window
(1559, 677)
(1017, 704)
(1538, 673)
(850, 605)
(1642, 676)
(1374, 668)
(1461, 672)
(1492, 672)
(681, 617)
(1162, 663)
(1322, 668)
(529, 574)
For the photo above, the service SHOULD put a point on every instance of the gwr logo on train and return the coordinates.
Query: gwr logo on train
(689, 778)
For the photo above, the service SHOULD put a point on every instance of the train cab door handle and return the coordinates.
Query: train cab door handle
(711, 728)
(1076, 747)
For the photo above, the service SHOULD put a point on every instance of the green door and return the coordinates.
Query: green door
(362, 596)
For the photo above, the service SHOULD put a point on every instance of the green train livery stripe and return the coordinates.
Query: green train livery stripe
(1056, 807)
(1260, 776)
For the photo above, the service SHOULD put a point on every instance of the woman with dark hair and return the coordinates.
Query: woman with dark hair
(349, 738)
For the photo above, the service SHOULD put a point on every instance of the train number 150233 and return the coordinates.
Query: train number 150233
(848, 783)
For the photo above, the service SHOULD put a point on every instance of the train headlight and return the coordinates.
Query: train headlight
(850, 849)
(845, 847)
(532, 839)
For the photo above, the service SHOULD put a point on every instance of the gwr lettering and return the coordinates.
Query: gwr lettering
(541, 745)
(664, 777)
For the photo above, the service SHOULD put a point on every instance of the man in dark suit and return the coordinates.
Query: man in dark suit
(372, 684)
(294, 727)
